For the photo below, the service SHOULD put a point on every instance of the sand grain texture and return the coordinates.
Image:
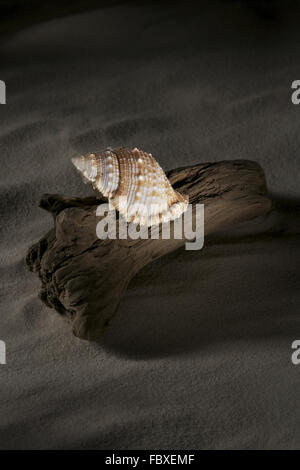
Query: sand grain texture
(199, 355)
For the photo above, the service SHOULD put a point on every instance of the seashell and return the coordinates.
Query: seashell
(134, 183)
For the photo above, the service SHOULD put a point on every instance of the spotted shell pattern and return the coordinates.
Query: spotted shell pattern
(134, 184)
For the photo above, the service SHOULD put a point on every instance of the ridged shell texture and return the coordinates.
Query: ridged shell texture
(134, 184)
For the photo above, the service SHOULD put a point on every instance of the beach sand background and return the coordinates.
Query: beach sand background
(199, 355)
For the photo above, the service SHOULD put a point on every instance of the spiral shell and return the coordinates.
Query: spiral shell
(134, 184)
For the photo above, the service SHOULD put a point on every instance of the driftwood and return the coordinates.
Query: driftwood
(84, 278)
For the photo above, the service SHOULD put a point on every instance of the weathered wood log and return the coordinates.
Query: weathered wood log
(84, 277)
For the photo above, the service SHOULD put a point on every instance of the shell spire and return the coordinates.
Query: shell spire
(134, 183)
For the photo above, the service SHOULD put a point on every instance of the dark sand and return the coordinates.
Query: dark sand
(199, 355)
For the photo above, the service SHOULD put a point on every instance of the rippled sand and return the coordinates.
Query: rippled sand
(199, 354)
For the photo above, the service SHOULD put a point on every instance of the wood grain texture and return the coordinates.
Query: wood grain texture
(84, 278)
